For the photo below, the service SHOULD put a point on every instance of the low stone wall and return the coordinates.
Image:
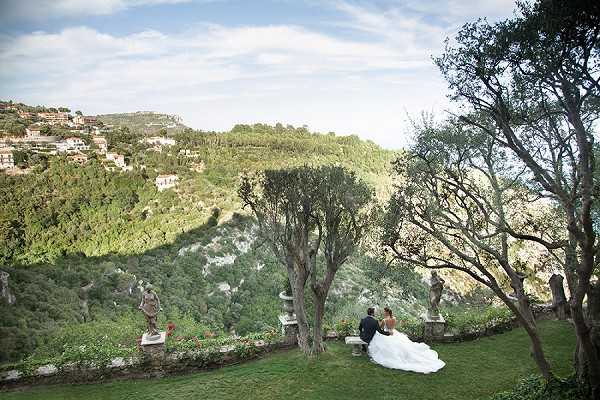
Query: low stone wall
(136, 367)
(540, 312)
(197, 360)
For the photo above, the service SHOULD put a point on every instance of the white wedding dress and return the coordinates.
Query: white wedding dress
(397, 351)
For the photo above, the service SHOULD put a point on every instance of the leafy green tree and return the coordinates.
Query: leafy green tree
(344, 213)
(304, 211)
(536, 77)
(458, 202)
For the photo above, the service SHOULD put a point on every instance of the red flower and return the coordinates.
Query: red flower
(170, 328)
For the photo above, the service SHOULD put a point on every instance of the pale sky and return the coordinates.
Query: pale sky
(352, 67)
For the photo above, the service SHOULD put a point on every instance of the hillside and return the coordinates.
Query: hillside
(64, 226)
(145, 122)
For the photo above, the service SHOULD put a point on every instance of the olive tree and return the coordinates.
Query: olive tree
(313, 218)
(456, 204)
(537, 77)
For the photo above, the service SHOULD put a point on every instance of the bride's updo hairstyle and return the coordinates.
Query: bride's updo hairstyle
(387, 310)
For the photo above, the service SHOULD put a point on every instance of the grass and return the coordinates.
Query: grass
(474, 370)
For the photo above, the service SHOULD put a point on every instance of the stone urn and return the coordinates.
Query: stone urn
(289, 325)
(288, 306)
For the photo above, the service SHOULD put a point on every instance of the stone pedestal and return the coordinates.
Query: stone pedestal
(154, 349)
(289, 324)
(435, 327)
(289, 329)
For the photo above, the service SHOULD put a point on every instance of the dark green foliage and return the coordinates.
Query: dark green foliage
(536, 388)
(476, 319)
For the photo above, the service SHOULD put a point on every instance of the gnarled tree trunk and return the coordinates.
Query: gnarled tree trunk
(297, 281)
(537, 350)
(588, 341)
(559, 300)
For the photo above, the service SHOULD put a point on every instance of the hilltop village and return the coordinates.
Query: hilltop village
(29, 135)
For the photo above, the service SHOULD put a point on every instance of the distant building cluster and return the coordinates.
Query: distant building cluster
(157, 142)
(85, 139)
(7, 160)
(87, 135)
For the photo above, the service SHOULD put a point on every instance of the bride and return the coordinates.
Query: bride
(397, 351)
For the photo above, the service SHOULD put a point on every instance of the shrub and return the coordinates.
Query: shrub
(410, 326)
(476, 319)
(344, 328)
(535, 388)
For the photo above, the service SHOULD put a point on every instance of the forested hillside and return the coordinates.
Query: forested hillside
(65, 226)
(146, 122)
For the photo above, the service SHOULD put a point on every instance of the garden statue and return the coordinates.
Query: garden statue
(83, 300)
(5, 290)
(150, 306)
(435, 295)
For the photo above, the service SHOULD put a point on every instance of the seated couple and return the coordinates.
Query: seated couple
(392, 349)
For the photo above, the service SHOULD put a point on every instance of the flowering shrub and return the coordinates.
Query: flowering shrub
(345, 328)
(208, 334)
(170, 328)
(99, 353)
(410, 326)
(477, 320)
(193, 342)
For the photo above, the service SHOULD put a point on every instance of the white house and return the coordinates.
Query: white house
(84, 120)
(160, 141)
(166, 181)
(7, 160)
(71, 145)
(118, 159)
(189, 153)
(101, 143)
(33, 131)
(57, 118)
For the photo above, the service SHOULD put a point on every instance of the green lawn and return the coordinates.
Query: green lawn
(474, 370)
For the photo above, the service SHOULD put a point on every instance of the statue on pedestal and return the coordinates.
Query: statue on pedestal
(5, 291)
(150, 306)
(435, 295)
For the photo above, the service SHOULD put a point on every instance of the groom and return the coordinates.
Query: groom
(368, 326)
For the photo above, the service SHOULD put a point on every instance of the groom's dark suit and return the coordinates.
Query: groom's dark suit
(367, 328)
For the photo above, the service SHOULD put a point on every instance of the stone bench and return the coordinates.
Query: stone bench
(356, 344)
